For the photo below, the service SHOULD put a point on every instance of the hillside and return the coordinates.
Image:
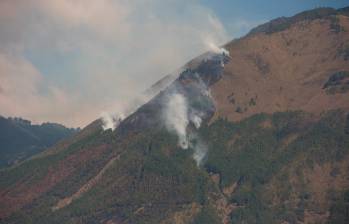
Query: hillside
(259, 135)
(286, 67)
(19, 139)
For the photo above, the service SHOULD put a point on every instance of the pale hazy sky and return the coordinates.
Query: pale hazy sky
(67, 61)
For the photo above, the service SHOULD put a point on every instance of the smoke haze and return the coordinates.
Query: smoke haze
(93, 56)
(176, 117)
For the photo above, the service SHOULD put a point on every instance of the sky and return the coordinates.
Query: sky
(238, 16)
(69, 61)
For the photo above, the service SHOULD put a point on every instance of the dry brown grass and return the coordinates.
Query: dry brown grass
(283, 71)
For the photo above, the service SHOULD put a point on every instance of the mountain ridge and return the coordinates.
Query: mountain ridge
(273, 117)
(20, 139)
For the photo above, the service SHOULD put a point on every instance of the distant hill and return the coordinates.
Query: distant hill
(19, 139)
(259, 134)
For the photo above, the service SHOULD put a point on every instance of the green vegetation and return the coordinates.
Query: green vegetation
(337, 83)
(346, 129)
(343, 51)
(259, 153)
(336, 78)
(339, 212)
(19, 139)
(207, 216)
(265, 155)
(239, 110)
(34, 169)
(152, 179)
(252, 102)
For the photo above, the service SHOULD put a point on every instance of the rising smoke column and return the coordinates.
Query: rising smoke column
(218, 50)
(112, 120)
(213, 47)
(179, 112)
(196, 119)
(176, 117)
(199, 147)
(195, 141)
(108, 121)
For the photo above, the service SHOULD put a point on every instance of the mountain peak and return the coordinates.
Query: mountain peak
(283, 23)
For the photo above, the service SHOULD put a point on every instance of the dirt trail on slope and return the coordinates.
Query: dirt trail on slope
(24, 192)
(86, 187)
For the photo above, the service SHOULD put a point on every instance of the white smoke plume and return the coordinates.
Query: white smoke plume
(176, 117)
(196, 119)
(111, 121)
(213, 47)
(108, 121)
(199, 147)
(200, 151)
(195, 142)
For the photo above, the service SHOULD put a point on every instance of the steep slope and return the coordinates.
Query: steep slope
(272, 117)
(284, 70)
(20, 139)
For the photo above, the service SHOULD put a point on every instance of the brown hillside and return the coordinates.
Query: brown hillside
(284, 70)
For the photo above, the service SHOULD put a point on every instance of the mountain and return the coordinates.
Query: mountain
(256, 133)
(19, 139)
